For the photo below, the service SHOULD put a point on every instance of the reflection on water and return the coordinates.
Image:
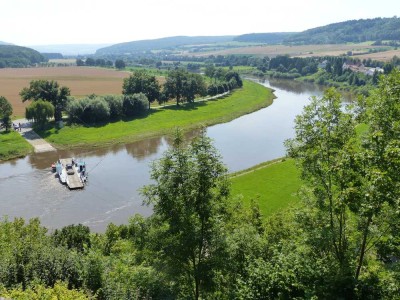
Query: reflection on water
(28, 188)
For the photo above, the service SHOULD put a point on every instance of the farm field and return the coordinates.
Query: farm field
(303, 50)
(81, 80)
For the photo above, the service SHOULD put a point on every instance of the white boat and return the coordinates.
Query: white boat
(61, 172)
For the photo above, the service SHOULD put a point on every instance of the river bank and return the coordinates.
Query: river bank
(161, 121)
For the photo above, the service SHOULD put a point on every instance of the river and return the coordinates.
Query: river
(29, 189)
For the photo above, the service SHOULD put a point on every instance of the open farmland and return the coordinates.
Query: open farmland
(303, 50)
(81, 80)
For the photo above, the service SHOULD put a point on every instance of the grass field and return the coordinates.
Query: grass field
(13, 145)
(81, 80)
(273, 185)
(160, 121)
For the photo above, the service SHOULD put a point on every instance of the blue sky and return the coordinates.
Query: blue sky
(45, 22)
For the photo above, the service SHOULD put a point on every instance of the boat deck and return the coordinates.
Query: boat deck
(73, 181)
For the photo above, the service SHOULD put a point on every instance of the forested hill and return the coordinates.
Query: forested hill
(355, 31)
(4, 43)
(18, 57)
(160, 44)
(265, 38)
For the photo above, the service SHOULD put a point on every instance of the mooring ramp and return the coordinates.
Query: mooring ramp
(73, 180)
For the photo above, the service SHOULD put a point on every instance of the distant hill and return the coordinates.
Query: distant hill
(160, 44)
(356, 31)
(4, 43)
(52, 55)
(69, 49)
(265, 38)
(18, 57)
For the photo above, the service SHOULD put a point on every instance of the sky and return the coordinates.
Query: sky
(51, 22)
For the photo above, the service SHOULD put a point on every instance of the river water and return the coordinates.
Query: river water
(29, 189)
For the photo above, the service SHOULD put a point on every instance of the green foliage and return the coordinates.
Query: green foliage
(182, 85)
(48, 91)
(355, 31)
(115, 104)
(73, 237)
(6, 111)
(18, 57)
(135, 104)
(120, 64)
(40, 292)
(39, 111)
(141, 82)
(189, 197)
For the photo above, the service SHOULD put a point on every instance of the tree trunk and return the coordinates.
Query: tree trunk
(363, 246)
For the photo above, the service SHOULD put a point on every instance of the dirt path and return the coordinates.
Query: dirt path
(25, 129)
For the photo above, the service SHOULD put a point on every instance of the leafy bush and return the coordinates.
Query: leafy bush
(135, 104)
(115, 104)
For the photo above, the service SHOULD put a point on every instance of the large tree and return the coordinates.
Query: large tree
(181, 84)
(5, 112)
(142, 82)
(39, 111)
(189, 196)
(47, 90)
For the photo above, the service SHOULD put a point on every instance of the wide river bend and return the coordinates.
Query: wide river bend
(29, 189)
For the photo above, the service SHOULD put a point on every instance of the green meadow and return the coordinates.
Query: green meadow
(163, 120)
(273, 185)
(13, 145)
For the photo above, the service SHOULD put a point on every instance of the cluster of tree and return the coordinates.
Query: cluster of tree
(52, 55)
(223, 81)
(100, 109)
(91, 62)
(340, 242)
(47, 91)
(354, 31)
(19, 57)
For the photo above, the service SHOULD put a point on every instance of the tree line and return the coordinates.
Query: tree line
(139, 90)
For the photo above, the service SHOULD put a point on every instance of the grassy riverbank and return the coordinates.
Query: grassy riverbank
(160, 121)
(13, 145)
(273, 185)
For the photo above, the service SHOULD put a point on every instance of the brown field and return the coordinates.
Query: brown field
(304, 50)
(81, 80)
(381, 56)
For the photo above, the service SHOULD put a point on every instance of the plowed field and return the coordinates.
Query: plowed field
(82, 81)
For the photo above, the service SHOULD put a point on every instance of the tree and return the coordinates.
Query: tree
(189, 196)
(6, 111)
(323, 148)
(48, 91)
(142, 82)
(134, 104)
(119, 64)
(39, 111)
(183, 85)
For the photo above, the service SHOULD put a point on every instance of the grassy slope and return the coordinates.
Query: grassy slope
(13, 145)
(272, 184)
(162, 121)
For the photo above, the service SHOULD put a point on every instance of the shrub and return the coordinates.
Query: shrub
(135, 104)
(115, 104)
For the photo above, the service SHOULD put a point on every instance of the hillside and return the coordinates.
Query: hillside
(18, 57)
(161, 44)
(4, 43)
(265, 38)
(353, 31)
